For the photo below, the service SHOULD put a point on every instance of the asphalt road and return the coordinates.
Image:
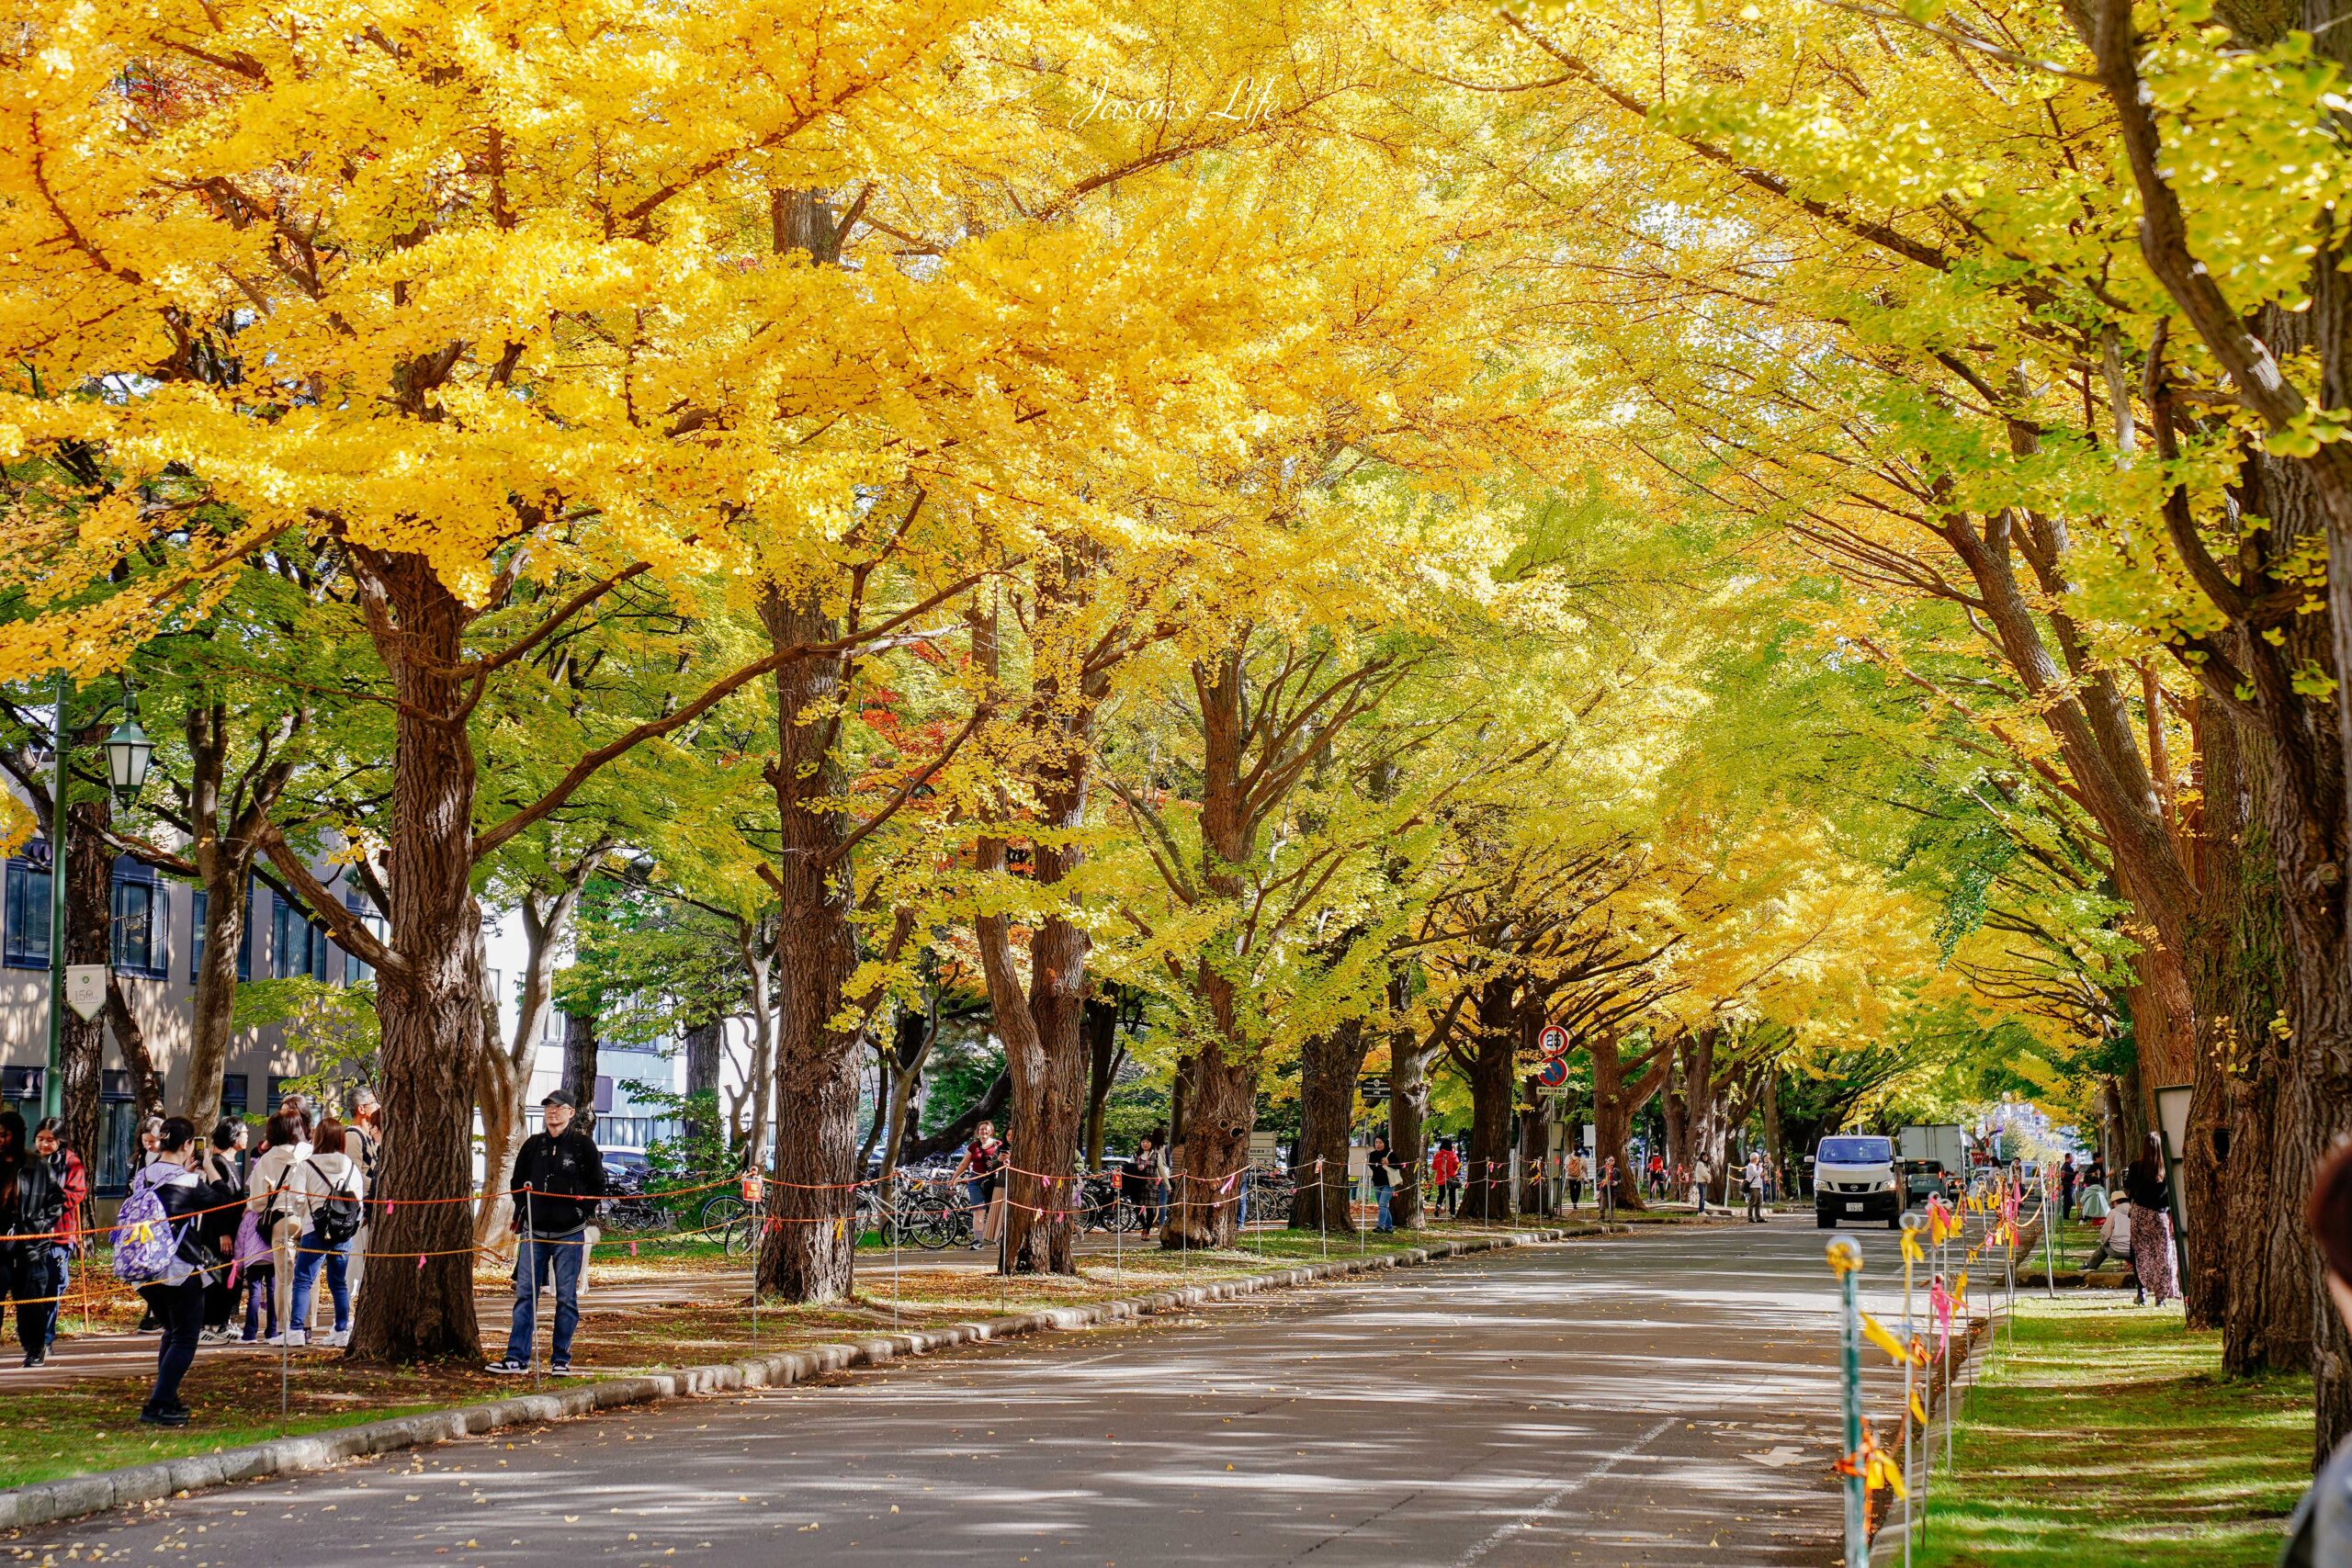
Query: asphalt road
(1670, 1399)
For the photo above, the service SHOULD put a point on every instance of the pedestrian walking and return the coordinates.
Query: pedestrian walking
(1700, 1175)
(1605, 1190)
(1445, 1171)
(284, 1144)
(1753, 1178)
(218, 1167)
(1139, 1182)
(160, 1246)
(1382, 1176)
(33, 1206)
(1579, 1172)
(1657, 1176)
(327, 1198)
(981, 1174)
(72, 1179)
(2145, 1185)
(2320, 1533)
(559, 1178)
(2066, 1177)
(150, 1136)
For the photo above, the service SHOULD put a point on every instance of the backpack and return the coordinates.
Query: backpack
(336, 1216)
(146, 1240)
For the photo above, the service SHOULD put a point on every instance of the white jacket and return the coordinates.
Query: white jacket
(270, 1173)
(322, 1176)
(2115, 1230)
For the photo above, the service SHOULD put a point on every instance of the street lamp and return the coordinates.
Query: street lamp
(127, 752)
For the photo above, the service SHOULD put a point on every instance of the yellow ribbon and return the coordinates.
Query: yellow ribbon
(1875, 1332)
(1911, 1252)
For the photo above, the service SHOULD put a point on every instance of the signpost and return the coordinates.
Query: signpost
(1553, 1041)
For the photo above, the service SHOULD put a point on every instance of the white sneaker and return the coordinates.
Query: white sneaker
(335, 1339)
(295, 1338)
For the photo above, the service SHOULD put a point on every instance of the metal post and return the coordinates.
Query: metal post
(530, 1243)
(1846, 1258)
(1910, 1375)
(2048, 1243)
(52, 1081)
(1323, 1208)
(759, 1240)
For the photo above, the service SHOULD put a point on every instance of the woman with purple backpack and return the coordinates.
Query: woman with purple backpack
(172, 1282)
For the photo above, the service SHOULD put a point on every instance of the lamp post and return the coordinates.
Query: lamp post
(128, 752)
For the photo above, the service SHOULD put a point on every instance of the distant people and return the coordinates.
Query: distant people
(1752, 1177)
(1381, 1173)
(173, 1290)
(218, 1167)
(72, 1179)
(2320, 1534)
(33, 1206)
(1605, 1188)
(981, 1174)
(1657, 1176)
(285, 1144)
(2066, 1176)
(295, 1105)
(2151, 1193)
(1445, 1175)
(559, 1178)
(364, 1142)
(2092, 1196)
(1700, 1175)
(1139, 1182)
(1579, 1172)
(328, 1192)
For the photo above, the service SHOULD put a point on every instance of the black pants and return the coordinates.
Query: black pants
(28, 1274)
(180, 1310)
(1576, 1192)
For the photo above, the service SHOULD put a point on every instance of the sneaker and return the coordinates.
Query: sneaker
(559, 1369)
(36, 1359)
(295, 1338)
(213, 1337)
(335, 1339)
(176, 1416)
(508, 1367)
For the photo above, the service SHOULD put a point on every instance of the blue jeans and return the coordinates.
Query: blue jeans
(1381, 1194)
(310, 1253)
(537, 1262)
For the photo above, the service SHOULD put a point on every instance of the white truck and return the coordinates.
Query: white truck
(1930, 1153)
(1855, 1178)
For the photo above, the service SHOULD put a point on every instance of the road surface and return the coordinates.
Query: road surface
(1667, 1399)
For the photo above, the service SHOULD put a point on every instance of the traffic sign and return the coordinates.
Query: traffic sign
(1553, 1073)
(1554, 1041)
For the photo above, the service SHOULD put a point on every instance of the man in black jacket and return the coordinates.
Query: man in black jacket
(559, 1177)
(31, 1205)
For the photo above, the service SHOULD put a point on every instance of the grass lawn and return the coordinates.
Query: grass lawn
(669, 1305)
(2108, 1439)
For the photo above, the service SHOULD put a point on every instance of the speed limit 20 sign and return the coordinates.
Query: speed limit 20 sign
(1554, 1041)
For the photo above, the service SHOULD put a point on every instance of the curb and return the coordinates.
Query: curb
(47, 1502)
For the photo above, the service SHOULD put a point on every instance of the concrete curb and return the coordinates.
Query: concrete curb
(48, 1502)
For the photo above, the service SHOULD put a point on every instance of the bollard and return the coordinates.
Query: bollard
(1846, 1261)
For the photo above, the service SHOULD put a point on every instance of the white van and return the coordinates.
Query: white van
(1854, 1178)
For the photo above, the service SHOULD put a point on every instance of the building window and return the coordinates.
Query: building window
(203, 902)
(141, 903)
(235, 1086)
(20, 1090)
(354, 970)
(117, 1152)
(295, 945)
(28, 918)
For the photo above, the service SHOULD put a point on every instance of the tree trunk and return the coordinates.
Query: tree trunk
(580, 1050)
(1328, 1066)
(1617, 1095)
(1220, 1110)
(430, 1004)
(1102, 1067)
(1534, 1150)
(1486, 1193)
(89, 939)
(1409, 1110)
(146, 1083)
(809, 1254)
(225, 892)
(701, 1049)
(756, 943)
(990, 1107)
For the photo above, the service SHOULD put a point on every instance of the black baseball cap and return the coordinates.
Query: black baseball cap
(561, 1096)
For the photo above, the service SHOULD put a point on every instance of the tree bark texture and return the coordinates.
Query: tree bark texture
(809, 1254)
(1328, 1066)
(1408, 1111)
(1485, 1191)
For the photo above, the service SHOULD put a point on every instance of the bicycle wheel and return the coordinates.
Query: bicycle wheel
(932, 1223)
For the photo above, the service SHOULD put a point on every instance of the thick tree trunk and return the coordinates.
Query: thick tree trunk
(1102, 1067)
(1328, 1066)
(701, 1049)
(1409, 1110)
(1619, 1090)
(809, 1253)
(430, 1005)
(756, 942)
(1221, 1109)
(215, 984)
(1486, 1193)
(1534, 1149)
